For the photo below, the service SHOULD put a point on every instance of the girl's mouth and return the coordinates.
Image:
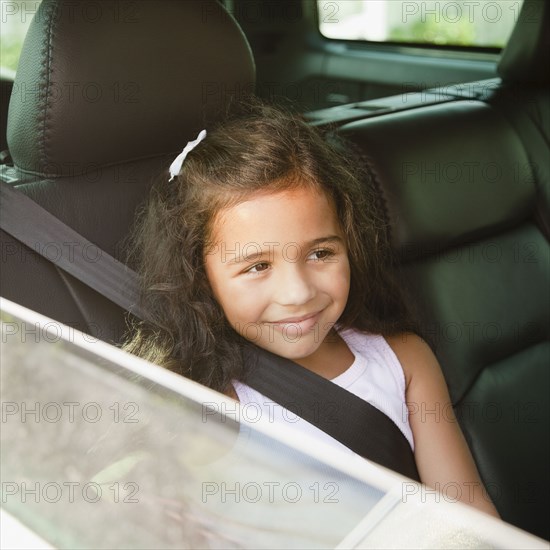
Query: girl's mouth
(299, 323)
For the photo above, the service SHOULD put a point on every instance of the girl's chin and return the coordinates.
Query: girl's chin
(293, 351)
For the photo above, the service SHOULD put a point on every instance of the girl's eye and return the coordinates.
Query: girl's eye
(258, 268)
(321, 254)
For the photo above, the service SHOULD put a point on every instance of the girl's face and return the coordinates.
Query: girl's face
(279, 269)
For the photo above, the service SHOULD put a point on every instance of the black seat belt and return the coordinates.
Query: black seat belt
(347, 418)
(35, 227)
(341, 414)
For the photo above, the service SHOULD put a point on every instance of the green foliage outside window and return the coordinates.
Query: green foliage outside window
(470, 23)
(461, 33)
(15, 18)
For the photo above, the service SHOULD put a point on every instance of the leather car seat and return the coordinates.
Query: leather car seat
(466, 192)
(6, 87)
(104, 98)
(524, 94)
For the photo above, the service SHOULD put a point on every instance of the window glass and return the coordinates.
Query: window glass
(15, 18)
(99, 449)
(95, 455)
(486, 24)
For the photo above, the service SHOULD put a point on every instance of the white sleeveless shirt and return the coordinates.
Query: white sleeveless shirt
(375, 375)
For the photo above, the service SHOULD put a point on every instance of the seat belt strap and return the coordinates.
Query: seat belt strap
(347, 418)
(341, 414)
(35, 227)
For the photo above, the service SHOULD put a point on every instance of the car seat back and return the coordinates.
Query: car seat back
(102, 102)
(466, 191)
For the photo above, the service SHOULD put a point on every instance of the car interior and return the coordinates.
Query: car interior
(98, 108)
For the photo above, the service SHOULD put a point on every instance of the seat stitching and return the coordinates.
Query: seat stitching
(45, 80)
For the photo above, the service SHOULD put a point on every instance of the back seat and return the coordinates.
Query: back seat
(6, 88)
(466, 186)
(92, 122)
(462, 201)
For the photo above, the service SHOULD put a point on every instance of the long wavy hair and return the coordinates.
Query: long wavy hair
(259, 148)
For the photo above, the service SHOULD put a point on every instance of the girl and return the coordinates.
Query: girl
(267, 233)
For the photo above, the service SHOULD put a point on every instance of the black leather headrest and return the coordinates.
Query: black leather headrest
(449, 172)
(526, 58)
(106, 82)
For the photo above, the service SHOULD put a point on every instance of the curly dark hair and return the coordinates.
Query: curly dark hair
(258, 148)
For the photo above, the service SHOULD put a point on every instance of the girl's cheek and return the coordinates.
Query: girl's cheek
(248, 289)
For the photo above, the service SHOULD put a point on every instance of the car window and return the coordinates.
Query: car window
(135, 464)
(100, 449)
(15, 18)
(448, 24)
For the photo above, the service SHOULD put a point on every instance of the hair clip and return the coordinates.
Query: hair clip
(175, 167)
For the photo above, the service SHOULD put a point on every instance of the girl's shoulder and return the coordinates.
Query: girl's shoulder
(416, 357)
(413, 355)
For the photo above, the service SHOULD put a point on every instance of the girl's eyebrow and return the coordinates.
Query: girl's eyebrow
(273, 246)
(329, 239)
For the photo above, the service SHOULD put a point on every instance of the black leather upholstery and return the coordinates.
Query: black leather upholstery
(6, 87)
(526, 58)
(466, 187)
(463, 214)
(145, 75)
(452, 158)
(106, 98)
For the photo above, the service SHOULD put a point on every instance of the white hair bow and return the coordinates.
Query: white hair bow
(175, 167)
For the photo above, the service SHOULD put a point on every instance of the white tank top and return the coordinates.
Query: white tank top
(376, 376)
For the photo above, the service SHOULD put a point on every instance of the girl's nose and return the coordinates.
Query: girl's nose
(294, 287)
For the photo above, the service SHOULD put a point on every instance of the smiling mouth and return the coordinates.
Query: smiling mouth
(302, 322)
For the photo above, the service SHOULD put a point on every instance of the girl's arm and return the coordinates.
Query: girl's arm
(442, 456)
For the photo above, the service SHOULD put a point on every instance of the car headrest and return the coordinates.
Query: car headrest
(107, 82)
(526, 58)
